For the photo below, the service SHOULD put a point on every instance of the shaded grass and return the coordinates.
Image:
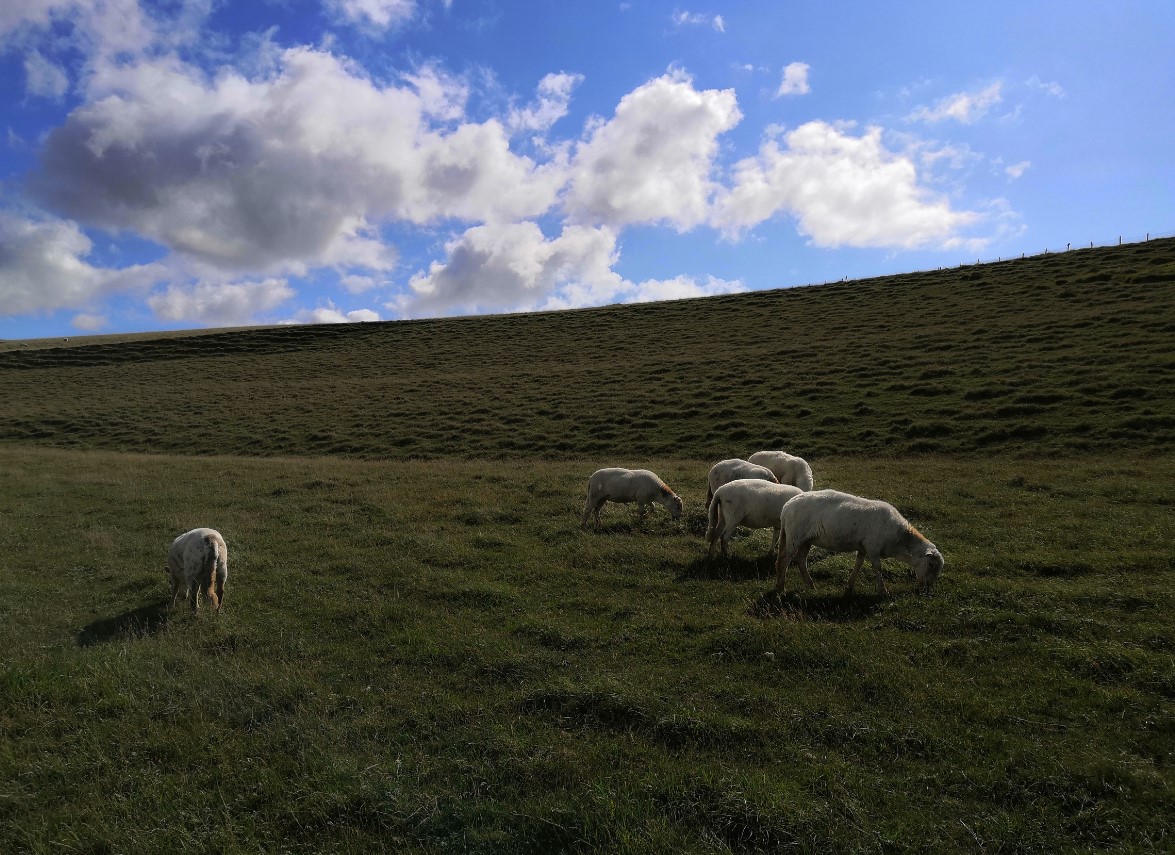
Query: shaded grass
(1067, 353)
(420, 656)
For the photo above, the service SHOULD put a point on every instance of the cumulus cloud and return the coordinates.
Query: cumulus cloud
(89, 323)
(32, 14)
(795, 80)
(549, 106)
(378, 14)
(652, 162)
(699, 19)
(43, 78)
(219, 304)
(330, 314)
(1049, 87)
(843, 190)
(682, 288)
(1015, 170)
(274, 174)
(102, 29)
(514, 267)
(43, 267)
(965, 107)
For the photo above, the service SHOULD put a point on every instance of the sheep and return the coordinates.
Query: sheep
(198, 561)
(788, 468)
(840, 522)
(752, 502)
(627, 486)
(725, 471)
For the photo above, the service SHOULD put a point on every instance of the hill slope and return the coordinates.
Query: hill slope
(1054, 354)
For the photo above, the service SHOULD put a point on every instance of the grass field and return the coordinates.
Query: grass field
(422, 651)
(1064, 353)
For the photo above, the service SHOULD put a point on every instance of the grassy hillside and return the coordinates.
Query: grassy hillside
(1063, 353)
(421, 651)
(423, 657)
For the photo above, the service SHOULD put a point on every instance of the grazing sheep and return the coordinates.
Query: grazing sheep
(752, 502)
(840, 522)
(198, 561)
(788, 468)
(725, 471)
(627, 486)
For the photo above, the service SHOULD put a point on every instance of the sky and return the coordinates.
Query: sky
(202, 163)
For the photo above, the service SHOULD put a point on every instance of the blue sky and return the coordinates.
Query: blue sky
(198, 163)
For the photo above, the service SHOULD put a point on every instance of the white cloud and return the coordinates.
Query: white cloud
(442, 95)
(44, 78)
(380, 14)
(1015, 170)
(330, 314)
(652, 162)
(795, 80)
(843, 190)
(32, 13)
(513, 267)
(274, 174)
(43, 267)
(965, 107)
(549, 106)
(219, 304)
(89, 323)
(681, 288)
(699, 19)
(102, 29)
(1049, 87)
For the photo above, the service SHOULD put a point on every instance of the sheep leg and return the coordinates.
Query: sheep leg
(856, 570)
(781, 562)
(881, 589)
(194, 593)
(729, 525)
(803, 556)
(591, 507)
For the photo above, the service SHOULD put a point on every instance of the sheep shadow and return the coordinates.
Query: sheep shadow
(146, 620)
(733, 569)
(833, 608)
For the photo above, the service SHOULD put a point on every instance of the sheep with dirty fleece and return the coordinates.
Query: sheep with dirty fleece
(198, 561)
(788, 468)
(725, 471)
(841, 522)
(626, 486)
(751, 502)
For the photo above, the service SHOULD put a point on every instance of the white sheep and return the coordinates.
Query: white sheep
(840, 522)
(751, 502)
(725, 471)
(626, 486)
(788, 468)
(198, 561)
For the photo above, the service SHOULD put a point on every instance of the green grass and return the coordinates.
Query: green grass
(1065, 353)
(419, 656)
(422, 651)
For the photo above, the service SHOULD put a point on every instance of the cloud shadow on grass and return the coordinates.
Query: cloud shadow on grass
(146, 620)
